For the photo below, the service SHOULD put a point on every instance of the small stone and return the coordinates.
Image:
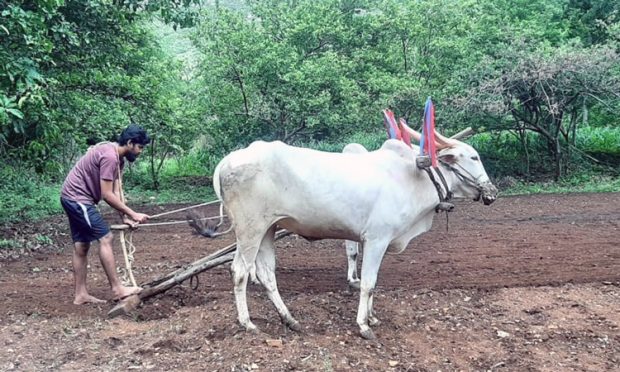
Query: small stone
(393, 363)
(502, 334)
(274, 343)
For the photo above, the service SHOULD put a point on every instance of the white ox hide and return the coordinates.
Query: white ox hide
(380, 199)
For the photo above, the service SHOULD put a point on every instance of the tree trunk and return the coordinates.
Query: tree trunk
(558, 159)
(523, 138)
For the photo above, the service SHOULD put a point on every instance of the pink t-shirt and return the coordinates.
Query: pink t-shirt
(83, 184)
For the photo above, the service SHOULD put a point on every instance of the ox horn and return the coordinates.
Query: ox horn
(463, 134)
(441, 141)
(417, 136)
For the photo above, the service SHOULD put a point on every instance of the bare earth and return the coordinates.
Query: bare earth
(527, 284)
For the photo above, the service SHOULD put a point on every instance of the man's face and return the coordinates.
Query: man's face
(134, 151)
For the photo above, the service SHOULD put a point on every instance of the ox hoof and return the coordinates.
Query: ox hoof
(444, 206)
(294, 326)
(249, 327)
(368, 334)
(354, 284)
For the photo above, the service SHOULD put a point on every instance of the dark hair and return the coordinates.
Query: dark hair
(135, 133)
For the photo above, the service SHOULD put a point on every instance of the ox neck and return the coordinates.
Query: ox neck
(443, 198)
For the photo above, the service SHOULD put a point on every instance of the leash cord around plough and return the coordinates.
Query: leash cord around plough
(127, 245)
(127, 238)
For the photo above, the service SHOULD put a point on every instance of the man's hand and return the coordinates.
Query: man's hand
(128, 221)
(135, 219)
(140, 217)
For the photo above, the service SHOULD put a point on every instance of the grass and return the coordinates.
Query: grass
(597, 183)
(169, 194)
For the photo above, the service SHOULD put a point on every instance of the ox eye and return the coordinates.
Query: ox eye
(474, 158)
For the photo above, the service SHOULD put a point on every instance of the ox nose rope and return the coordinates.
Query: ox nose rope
(469, 178)
(444, 200)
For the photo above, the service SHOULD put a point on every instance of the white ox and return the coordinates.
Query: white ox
(380, 199)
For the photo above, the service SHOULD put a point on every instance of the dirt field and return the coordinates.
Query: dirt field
(527, 284)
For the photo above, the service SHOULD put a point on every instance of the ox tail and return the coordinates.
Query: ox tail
(216, 180)
(196, 221)
(205, 226)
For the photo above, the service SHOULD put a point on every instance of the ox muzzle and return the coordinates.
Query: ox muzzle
(488, 192)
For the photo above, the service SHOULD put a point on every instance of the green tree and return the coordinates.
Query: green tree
(544, 92)
(76, 72)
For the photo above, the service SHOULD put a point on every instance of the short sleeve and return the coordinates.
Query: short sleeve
(108, 166)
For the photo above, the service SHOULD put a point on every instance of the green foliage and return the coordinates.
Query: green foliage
(24, 195)
(8, 244)
(311, 73)
(603, 140)
(304, 71)
(77, 72)
(504, 155)
(578, 183)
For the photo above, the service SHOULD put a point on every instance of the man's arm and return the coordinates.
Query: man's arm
(112, 198)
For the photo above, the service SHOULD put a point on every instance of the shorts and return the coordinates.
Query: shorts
(85, 221)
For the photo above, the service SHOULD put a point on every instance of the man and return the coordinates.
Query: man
(96, 176)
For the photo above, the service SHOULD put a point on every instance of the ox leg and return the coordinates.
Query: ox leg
(240, 281)
(352, 252)
(373, 255)
(242, 266)
(265, 271)
(372, 319)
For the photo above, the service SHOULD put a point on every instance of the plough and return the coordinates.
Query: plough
(177, 277)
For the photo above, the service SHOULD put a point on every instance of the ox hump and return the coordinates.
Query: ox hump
(400, 149)
(354, 148)
(249, 155)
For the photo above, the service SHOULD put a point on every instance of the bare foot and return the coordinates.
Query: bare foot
(87, 299)
(123, 292)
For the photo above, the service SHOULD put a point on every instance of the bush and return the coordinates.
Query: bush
(503, 154)
(25, 195)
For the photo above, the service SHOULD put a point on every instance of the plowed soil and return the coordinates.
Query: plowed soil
(529, 283)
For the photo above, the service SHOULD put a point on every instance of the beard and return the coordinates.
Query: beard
(131, 157)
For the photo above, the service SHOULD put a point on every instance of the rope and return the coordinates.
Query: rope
(127, 239)
(127, 245)
(125, 226)
(126, 242)
(183, 209)
(127, 274)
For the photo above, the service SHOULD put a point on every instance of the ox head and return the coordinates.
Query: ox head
(464, 161)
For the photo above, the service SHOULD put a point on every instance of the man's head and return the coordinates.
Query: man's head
(135, 138)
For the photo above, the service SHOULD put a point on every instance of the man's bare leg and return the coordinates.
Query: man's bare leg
(80, 263)
(106, 254)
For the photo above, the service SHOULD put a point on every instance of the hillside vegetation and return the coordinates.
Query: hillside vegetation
(539, 82)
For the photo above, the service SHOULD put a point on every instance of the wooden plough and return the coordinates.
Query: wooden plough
(177, 277)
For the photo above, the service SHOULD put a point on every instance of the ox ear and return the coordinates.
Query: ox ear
(448, 158)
